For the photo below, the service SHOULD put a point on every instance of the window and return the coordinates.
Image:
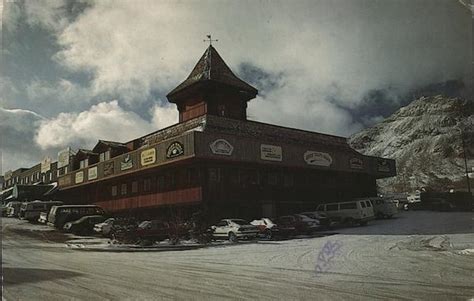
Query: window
(249, 177)
(234, 176)
(104, 156)
(222, 224)
(114, 190)
(221, 110)
(123, 189)
(214, 174)
(368, 203)
(288, 180)
(160, 183)
(348, 206)
(171, 180)
(192, 176)
(362, 204)
(332, 207)
(272, 178)
(147, 185)
(84, 163)
(134, 187)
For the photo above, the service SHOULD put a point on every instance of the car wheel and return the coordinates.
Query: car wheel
(232, 237)
(350, 221)
(268, 234)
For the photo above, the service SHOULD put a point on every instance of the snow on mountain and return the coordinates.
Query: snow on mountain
(424, 138)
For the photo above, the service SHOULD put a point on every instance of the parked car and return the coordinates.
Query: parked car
(43, 218)
(301, 224)
(438, 204)
(84, 225)
(105, 228)
(31, 211)
(59, 215)
(235, 229)
(12, 209)
(323, 219)
(148, 232)
(266, 227)
(383, 208)
(306, 224)
(4, 210)
(353, 212)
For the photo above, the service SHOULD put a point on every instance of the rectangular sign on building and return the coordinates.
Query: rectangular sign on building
(271, 152)
(46, 164)
(148, 157)
(8, 175)
(92, 173)
(63, 157)
(79, 177)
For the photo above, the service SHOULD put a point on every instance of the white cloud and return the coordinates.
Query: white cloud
(135, 47)
(16, 138)
(106, 120)
(164, 116)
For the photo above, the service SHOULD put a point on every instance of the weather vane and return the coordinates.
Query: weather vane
(209, 39)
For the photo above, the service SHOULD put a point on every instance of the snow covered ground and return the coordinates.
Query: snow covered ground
(419, 255)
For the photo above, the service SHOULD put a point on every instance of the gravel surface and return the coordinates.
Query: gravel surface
(418, 255)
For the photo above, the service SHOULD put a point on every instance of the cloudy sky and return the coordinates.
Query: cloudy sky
(73, 72)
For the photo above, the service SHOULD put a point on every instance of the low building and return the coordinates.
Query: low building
(217, 161)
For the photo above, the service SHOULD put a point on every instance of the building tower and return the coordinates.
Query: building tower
(212, 88)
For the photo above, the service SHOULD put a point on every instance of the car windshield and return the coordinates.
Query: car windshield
(144, 224)
(304, 217)
(240, 222)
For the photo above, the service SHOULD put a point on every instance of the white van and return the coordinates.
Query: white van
(383, 208)
(357, 211)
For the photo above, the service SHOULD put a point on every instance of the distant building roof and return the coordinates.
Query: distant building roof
(212, 68)
(111, 144)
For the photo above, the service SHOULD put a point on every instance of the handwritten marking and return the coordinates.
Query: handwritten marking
(326, 255)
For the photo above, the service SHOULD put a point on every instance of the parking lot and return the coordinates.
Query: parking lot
(418, 255)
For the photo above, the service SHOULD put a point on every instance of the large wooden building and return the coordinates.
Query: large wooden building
(216, 160)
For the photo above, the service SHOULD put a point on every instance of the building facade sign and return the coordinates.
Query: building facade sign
(126, 162)
(64, 181)
(221, 147)
(356, 163)
(79, 177)
(383, 166)
(8, 175)
(92, 173)
(63, 157)
(46, 164)
(108, 168)
(148, 157)
(271, 152)
(317, 158)
(175, 149)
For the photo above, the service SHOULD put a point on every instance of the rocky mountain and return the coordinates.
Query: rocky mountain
(426, 140)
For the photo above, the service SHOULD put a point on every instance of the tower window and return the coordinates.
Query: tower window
(221, 110)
